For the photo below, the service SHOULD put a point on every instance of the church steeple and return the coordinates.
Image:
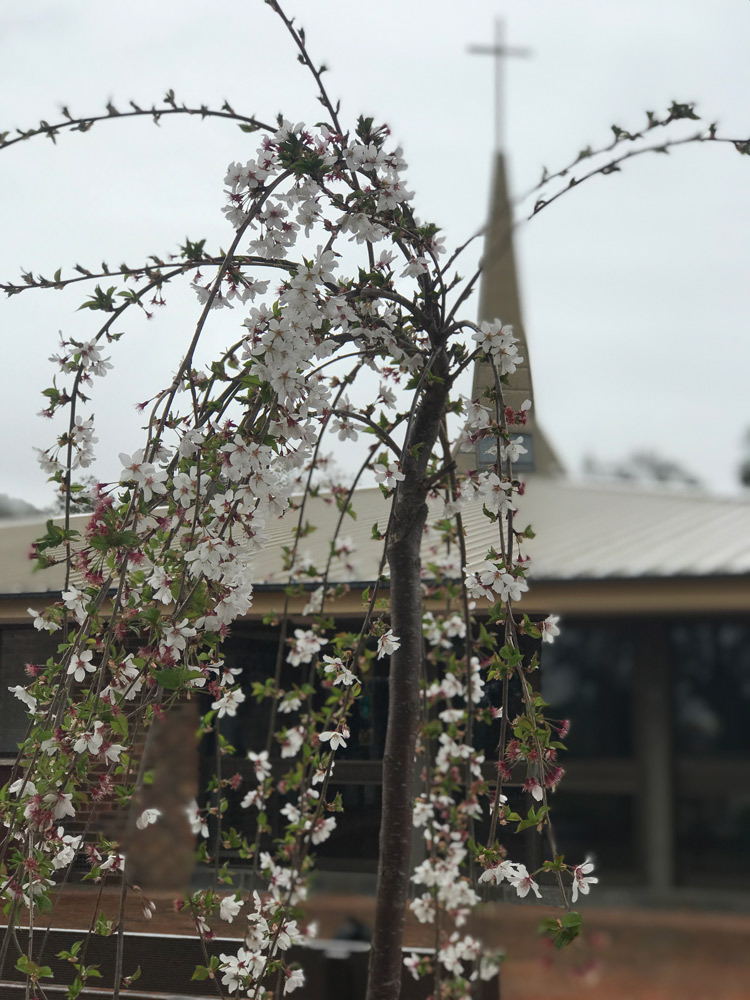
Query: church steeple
(499, 298)
(499, 51)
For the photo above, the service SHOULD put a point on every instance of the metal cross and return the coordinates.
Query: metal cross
(499, 50)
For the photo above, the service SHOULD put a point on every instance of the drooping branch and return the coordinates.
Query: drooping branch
(70, 123)
(152, 272)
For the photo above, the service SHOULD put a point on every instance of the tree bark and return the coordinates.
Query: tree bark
(394, 863)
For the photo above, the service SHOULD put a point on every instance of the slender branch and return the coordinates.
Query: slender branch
(84, 124)
(298, 35)
(155, 273)
(613, 166)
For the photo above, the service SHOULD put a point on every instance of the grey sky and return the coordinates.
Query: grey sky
(635, 285)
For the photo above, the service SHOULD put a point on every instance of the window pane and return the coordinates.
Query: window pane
(712, 687)
(527, 847)
(713, 841)
(354, 842)
(255, 652)
(587, 677)
(602, 826)
(18, 646)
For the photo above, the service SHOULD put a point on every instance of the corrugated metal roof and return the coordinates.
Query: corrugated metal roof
(625, 530)
(584, 531)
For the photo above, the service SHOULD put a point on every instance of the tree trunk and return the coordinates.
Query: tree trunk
(394, 863)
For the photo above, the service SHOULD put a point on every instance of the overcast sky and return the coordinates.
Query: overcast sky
(635, 286)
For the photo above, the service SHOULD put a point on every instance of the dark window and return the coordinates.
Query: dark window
(353, 845)
(526, 848)
(18, 646)
(711, 663)
(255, 651)
(713, 840)
(587, 677)
(599, 825)
(368, 718)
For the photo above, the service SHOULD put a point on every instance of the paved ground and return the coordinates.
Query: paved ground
(624, 954)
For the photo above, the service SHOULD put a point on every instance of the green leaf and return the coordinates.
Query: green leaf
(563, 929)
(193, 250)
(534, 818)
(101, 300)
(173, 678)
(24, 964)
(115, 539)
(485, 638)
(103, 925)
(678, 111)
(512, 657)
(43, 904)
(571, 928)
(119, 725)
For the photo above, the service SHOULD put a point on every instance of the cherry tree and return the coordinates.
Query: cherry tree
(351, 324)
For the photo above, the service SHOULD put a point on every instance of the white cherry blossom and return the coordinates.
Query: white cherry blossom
(388, 643)
(388, 475)
(229, 703)
(147, 817)
(582, 880)
(336, 738)
(229, 908)
(294, 979)
(23, 695)
(549, 628)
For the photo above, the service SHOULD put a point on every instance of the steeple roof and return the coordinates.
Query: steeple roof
(499, 298)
